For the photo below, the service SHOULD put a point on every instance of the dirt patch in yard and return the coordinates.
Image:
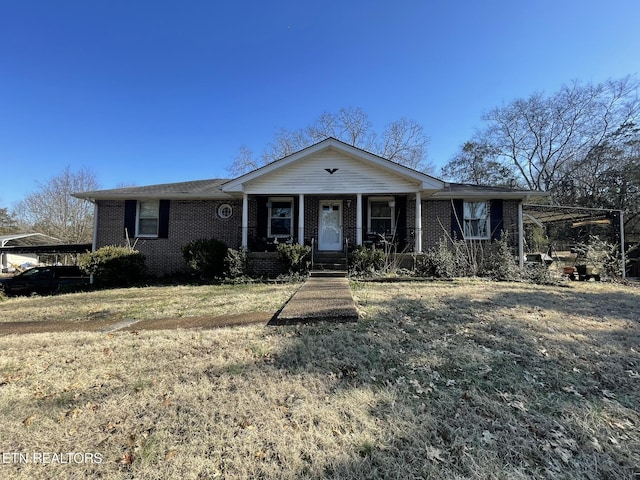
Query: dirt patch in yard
(108, 325)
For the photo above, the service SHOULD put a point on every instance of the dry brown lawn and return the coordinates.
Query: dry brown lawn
(453, 380)
(147, 303)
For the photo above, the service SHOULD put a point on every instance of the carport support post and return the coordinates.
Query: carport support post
(520, 237)
(94, 244)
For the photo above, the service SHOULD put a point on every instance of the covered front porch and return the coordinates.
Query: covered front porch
(332, 196)
(336, 222)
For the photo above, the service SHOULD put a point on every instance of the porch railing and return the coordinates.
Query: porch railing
(400, 239)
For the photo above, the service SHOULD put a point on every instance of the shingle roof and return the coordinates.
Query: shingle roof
(197, 189)
(465, 190)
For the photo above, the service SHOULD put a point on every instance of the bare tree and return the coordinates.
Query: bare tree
(607, 177)
(244, 162)
(53, 211)
(478, 163)
(8, 222)
(539, 137)
(405, 142)
(402, 141)
(581, 144)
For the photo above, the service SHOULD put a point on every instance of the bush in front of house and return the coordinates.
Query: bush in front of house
(539, 274)
(115, 266)
(364, 260)
(501, 263)
(442, 261)
(294, 258)
(206, 257)
(237, 263)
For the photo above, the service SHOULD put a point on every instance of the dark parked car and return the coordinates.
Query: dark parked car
(43, 280)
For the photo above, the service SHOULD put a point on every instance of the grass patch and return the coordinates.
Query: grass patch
(147, 303)
(464, 379)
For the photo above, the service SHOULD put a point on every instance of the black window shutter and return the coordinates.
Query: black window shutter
(457, 219)
(130, 207)
(294, 220)
(401, 217)
(365, 216)
(496, 207)
(262, 220)
(163, 219)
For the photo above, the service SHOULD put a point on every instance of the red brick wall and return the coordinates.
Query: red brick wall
(195, 219)
(510, 220)
(436, 222)
(265, 264)
(436, 219)
(188, 220)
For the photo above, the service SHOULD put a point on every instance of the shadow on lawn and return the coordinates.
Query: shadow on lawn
(477, 394)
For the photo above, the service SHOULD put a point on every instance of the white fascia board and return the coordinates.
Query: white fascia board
(483, 195)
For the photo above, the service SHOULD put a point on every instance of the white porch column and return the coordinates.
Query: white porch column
(418, 246)
(94, 245)
(359, 219)
(245, 220)
(520, 237)
(301, 219)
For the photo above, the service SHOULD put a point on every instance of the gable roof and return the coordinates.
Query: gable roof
(369, 169)
(422, 180)
(194, 190)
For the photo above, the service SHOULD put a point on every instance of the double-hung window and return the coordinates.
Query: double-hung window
(476, 220)
(280, 217)
(148, 218)
(381, 215)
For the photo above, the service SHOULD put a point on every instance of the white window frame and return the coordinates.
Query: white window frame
(487, 219)
(140, 217)
(223, 209)
(382, 200)
(272, 200)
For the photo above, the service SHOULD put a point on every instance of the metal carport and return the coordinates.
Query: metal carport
(547, 214)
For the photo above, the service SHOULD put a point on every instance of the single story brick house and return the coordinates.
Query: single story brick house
(331, 196)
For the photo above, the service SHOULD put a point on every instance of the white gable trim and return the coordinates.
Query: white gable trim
(421, 180)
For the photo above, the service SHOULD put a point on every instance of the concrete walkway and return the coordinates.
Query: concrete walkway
(319, 298)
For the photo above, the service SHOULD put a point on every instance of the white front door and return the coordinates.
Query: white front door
(330, 228)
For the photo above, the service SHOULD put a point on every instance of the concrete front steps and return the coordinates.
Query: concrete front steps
(329, 264)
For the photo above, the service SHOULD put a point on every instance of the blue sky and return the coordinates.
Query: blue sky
(145, 92)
